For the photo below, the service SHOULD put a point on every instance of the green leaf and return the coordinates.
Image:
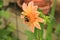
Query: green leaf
(5, 14)
(39, 33)
(46, 18)
(40, 10)
(41, 15)
(30, 35)
(4, 32)
(5, 35)
(0, 22)
(36, 33)
(9, 38)
(0, 14)
(10, 27)
(1, 3)
(57, 32)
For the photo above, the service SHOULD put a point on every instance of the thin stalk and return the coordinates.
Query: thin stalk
(17, 27)
(17, 22)
(53, 8)
(49, 32)
(50, 25)
(39, 33)
(5, 23)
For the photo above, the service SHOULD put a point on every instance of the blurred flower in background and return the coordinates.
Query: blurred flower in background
(44, 5)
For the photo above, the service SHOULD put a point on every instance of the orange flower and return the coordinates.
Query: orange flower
(31, 16)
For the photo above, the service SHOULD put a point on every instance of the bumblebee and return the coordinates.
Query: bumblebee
(26, 19)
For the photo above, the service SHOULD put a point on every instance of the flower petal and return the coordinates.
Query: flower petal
(21, 16)
(31, 26)
(35, 8)
(24, 7)
(30, 6)
(40, 20)
(37, 25)
(37, 13)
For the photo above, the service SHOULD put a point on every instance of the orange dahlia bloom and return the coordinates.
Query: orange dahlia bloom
(31, 16)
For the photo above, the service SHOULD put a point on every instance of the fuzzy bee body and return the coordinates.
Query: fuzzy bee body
(26, 19)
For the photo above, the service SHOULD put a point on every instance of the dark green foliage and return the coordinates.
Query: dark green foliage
(57, 32)
(1, 3)
(52, 22)
(6, 34)
(30, 35)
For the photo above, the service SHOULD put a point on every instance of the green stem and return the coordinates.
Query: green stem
(39, 33)
(53, 8)
(50, 25)
(49, 32)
